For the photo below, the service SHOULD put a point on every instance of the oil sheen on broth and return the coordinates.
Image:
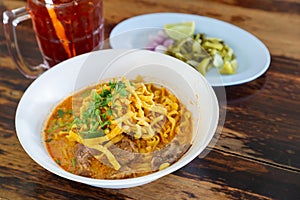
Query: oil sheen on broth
(118, 129)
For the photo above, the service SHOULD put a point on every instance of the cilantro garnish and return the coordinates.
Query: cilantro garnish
(60, 113)
(96, 117)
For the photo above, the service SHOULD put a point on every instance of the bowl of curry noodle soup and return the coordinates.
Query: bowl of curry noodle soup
(117, 118)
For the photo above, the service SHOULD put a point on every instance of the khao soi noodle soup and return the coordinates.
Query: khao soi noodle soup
(118, 129)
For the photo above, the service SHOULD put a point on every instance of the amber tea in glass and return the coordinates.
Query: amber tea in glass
(63, 29)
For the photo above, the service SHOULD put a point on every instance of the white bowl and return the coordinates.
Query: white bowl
(67, 77)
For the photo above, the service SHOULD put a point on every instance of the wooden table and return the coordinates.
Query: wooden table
(257, 155)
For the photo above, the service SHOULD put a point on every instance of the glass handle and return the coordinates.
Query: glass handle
(11, 19)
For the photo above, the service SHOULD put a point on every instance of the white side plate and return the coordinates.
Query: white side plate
(252, 55)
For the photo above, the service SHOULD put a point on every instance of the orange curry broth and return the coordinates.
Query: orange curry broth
(63, 151)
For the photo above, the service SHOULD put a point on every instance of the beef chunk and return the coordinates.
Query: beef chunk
(170, 154)
(83, 158)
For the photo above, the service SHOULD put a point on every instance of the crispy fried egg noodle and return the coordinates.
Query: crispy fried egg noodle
(147, 130)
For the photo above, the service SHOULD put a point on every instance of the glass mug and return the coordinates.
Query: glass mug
(63, 29)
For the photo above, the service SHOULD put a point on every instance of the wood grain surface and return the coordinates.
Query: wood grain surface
(257, 154)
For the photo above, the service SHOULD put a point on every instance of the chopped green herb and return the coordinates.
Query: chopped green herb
(112, 85)
(73, 162)
(69, 112)
(105, 93)
(60, 113)
(104, 116)
(58, 161)
(105, 123)
(92, 134)
(60, 122)
(95, 117)
(95, 127)
(109, 112)
(53, 128)
(48, 140)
